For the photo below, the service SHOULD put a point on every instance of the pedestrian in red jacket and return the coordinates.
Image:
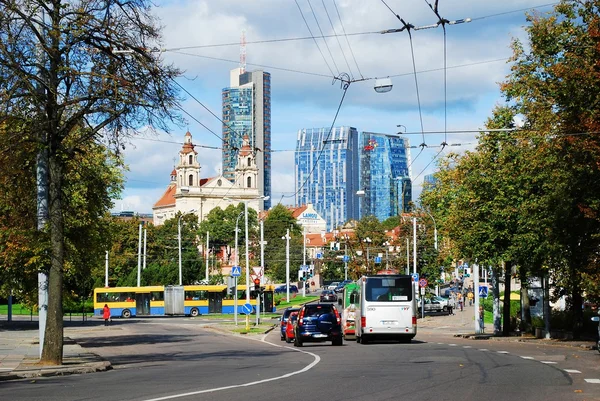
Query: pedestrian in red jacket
(106, 314)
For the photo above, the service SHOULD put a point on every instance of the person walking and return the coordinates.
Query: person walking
(470, 297)
(106, 314)
(481, 324)
(460, 301)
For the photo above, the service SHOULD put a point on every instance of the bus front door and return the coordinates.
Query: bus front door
(215, 302)
(142, 304)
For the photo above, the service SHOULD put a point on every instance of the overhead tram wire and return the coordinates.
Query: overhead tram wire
(313, 37)
(407, 27)
(443, 22)
(324, 40)
(346, 36)
(338, 40)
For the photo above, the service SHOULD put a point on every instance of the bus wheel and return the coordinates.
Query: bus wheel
(126, 313)
(363, 340)
(194, 312)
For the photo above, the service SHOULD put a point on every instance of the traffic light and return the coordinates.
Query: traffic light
(256, 284)
(311, 271)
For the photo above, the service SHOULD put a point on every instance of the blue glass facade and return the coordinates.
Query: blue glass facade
(327, 169)
(247, 111)
(384, 175)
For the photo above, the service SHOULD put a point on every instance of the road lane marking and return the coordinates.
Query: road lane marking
(483, 349)
(527, 357)
(594, 381)
(503, 352)
(571, 371)
(452, 345)
(316, 357)
(549, 362)
(467, 346)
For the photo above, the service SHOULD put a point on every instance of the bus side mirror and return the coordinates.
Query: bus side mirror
(596, 319)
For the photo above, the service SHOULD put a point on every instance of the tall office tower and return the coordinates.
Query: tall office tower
(384, 175)
(247, 111)
(327, 173)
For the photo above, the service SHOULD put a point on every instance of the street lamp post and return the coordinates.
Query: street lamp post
(237, 263)
(435, 244)
(368, 242)
(248, 253)
(179, 242)
(287, 264)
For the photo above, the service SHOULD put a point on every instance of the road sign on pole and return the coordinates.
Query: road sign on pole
(247, 308)
(422, 283)
(236, 271)
(483, 291)
(415, 277)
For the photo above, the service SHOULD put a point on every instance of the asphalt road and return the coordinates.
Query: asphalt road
(178, 359)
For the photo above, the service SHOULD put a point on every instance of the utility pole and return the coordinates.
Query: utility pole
(207, 255)
(287, 264)
(139, 272)
(106, 270)
(144, 262)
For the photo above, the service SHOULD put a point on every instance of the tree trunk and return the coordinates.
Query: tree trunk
(577, 308)
(547, 311)
(506, 308)
(496, 304)
(52, 352)
(525, 308)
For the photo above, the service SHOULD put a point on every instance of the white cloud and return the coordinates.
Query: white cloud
(305, 101)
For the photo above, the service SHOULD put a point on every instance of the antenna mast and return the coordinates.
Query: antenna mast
(243, 52)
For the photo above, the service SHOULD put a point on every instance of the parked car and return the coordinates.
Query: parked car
(282, 289)
(283, 321)
(333, 285)
(341, 285)
(289, 327)
(316, 323)
(435, 304)
(328, 295)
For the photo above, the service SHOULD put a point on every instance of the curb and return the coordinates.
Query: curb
(549, 342)
(48, 371)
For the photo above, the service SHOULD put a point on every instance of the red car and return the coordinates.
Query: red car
(289, 327)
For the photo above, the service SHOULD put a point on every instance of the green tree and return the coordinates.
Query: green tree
(276, 224)
(71, 73)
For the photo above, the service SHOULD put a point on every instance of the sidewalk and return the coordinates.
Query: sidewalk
(20, 354)
(462, 324)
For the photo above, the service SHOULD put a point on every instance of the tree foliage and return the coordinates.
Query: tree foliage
(66, 66)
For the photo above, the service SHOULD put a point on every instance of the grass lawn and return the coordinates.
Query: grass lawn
(296, 301)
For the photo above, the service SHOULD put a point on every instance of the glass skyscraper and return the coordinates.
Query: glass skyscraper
(327, 173)
(384, 175)
(247, 111)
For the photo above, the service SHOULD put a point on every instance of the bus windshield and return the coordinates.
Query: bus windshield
(389, 289)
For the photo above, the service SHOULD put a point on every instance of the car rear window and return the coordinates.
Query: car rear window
(317, 310)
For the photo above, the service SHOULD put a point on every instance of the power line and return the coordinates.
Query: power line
(311, 34)
(346, 36)
(338, 39)
(324, 40)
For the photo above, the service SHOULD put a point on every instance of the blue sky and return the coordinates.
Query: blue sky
(303, 95)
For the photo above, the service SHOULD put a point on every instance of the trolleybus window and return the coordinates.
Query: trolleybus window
(397, 289)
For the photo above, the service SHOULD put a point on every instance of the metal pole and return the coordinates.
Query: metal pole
(179, 246)
(414, 244)
(106, 270)
(247, 265)
(262, 270)
(287, 265)
(139, 272)
(237, 263)
(144, 262)
(407, 256)
(345, 262)
(207, 255)
(304, 260)
(478, 328)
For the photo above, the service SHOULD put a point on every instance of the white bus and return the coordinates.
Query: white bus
(386, 308)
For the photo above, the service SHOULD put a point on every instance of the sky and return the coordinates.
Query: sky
(202, 38)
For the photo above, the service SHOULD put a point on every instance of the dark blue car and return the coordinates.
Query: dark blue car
(282, 289)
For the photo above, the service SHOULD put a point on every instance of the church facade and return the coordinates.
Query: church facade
(188, 192)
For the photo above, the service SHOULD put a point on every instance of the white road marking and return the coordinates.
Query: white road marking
(452, 345)
(503, 352)
(571, 371)
(483, 349)
(527, 357)
(467, 346)
(548, 362)
(285, 376)
(595, 381)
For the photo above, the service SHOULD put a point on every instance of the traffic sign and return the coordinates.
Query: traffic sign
(483, 291)
(257, 271)
(415, 277)
(236, 271)
(247, 309)
(346, 258)
(377, 259)
(304, 268)
(422, 283)
(319, 256)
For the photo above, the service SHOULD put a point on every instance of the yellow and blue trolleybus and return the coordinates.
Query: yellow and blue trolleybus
(191, 300)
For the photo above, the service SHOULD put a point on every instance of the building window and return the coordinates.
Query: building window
(249, 182)
(191, 180)
(191, 159)
(249, 162)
